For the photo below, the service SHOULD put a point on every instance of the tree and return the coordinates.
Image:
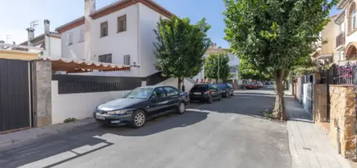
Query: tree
(248, 71)
(180, 47)
(216, 67)
(273, 34)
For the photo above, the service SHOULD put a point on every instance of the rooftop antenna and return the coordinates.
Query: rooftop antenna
(34, 24)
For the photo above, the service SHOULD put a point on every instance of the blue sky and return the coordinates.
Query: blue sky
(16, 15)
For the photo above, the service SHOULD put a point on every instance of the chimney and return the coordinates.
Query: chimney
(31, 35)
(47, 26)
(89, 7)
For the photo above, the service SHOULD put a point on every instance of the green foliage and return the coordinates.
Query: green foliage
(248, 71)
(180, 46)
(303, 66)
(216, 67)
(273, 34)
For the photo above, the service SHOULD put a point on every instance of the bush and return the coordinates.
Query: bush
(68, 120)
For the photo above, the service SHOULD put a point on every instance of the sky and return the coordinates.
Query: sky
(16, 15)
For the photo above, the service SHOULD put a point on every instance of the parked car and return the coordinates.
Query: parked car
(205, 92)
(227, 89)
(140, 105)
(251, 85)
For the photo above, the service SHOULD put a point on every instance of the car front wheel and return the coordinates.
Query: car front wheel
(181, 108)
(210, 99)
(226, 94)
(139, 119)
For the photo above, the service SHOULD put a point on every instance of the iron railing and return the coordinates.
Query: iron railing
(340, 74)
(85, 84)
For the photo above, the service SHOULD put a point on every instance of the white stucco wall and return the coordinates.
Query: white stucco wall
(173, 82)
(53, 47)
(79, 106)
(148, 20)
(76, 50)
(137, 41)
(118, 44)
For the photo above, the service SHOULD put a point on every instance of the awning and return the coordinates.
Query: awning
(76, 66)
(18, 55)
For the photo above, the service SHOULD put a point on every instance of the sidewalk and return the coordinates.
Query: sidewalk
(309, 145)
(31, 134)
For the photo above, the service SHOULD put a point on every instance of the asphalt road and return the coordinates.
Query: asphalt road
(230, 134)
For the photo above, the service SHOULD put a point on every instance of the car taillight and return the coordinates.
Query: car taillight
(207, 92)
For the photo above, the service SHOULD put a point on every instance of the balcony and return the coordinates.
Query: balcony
(340, 39)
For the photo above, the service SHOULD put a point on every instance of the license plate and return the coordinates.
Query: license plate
(99, 117)
(197, 93)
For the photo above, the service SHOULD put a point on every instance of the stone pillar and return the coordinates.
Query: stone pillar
(343, 119)
(41, 93)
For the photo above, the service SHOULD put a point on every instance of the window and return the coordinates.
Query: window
(342, 28)
(70, 39)
(171, 91)
(107, 58)
(352, 18)
(159, 93)
(104, 29)
(81, 36)
(127, 60)
(122, 24)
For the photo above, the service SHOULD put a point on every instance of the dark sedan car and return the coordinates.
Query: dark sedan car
(140, 104)
(227, 89)
(205, 92)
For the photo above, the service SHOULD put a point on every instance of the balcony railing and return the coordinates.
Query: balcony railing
(340, 39)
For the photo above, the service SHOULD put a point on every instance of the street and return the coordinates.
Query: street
(230, 133)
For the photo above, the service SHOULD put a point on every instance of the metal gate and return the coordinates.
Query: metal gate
(15, 95)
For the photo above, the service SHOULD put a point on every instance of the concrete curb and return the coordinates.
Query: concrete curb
(6, 140)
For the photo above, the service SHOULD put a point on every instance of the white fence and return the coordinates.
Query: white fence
(78, 105)
(307, 97)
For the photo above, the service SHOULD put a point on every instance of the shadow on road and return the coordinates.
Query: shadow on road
(51, 149)
(54, 150)
(160, 124)
(246, 102)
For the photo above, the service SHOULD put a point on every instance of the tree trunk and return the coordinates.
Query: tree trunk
(279, 107)
(179, 82)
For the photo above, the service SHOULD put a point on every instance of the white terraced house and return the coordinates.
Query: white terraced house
(346, 35)
(121, 33)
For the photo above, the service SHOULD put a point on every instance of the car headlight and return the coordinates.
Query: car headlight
(117, 112)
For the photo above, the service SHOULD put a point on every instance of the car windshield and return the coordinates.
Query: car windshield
(199, 88)
(140, 93)
(221, 86)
